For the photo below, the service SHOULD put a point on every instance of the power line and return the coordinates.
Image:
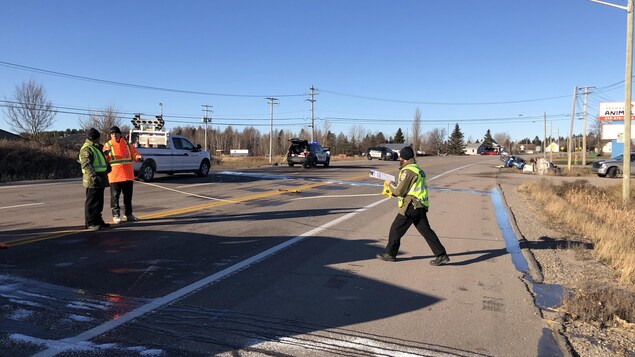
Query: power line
(132, 85)
(439, 103)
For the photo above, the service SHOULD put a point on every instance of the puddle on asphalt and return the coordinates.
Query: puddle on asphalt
(546, 296)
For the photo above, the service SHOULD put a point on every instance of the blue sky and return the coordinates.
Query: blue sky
(489, 64)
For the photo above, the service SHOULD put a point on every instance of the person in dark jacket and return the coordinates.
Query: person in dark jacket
(95, 170)
(412, 192)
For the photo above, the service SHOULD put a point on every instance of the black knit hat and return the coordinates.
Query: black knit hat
(93, 134)
(115, 130)
(406, 153)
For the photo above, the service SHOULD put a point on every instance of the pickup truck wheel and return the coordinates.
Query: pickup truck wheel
(203, 169)
(147, 172)
(370, 157)
(327, 162)
(612, 172)
(290, 164)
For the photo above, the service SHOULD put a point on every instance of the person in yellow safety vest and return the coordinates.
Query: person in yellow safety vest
(412, 192)
(120, 155)
(95, 170)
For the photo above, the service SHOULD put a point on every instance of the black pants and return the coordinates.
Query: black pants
(401, 224)
(117, 188)
(93, 206)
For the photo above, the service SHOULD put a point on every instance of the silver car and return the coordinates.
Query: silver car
(612, 168)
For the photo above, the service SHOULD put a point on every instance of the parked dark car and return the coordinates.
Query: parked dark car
(308, 154)
(381, 153)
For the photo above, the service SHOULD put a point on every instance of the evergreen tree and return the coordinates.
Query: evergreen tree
(399, 139)
(488, 143)
(456, 145)
(380, 138)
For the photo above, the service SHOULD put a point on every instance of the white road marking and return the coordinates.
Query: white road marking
(187, 193)
(35, 184)
(447, 172)
(24, 205)
(54, 348)
(196, 184)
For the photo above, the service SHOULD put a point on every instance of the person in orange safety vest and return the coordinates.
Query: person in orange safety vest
(120, 155)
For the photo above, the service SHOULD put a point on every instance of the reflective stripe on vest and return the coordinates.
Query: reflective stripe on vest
(99, 161)
(419, 190)
(123, 161)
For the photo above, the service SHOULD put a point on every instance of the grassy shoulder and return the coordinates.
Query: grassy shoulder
(598, 215)
(21, 161)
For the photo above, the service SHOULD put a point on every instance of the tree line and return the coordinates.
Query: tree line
(31, 114)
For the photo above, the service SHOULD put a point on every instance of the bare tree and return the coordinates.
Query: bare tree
(356, 133)
(434, 141)
(102, 120)
(501, 138)
(416, 130)
(327, 130)
(29, 112)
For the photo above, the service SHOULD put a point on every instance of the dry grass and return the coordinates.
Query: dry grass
(226, 162)
(596, 213)
(601, 304)
(31, 161)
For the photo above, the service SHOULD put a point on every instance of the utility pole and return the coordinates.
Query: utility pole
(628, 87)
(586, 94)
(551, 137)
(570, 144)
(206, 119)
(312, 112)
(544, 137)
(272, 101)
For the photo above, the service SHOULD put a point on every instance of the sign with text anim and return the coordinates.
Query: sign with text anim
(613, 111)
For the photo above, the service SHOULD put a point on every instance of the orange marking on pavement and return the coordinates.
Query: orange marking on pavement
(174, 212)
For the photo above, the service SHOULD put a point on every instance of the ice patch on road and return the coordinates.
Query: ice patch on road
(64, 346)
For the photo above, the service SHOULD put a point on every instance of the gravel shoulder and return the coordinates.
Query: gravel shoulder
(564, 259)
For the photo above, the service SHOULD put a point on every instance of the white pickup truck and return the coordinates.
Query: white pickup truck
(166, 153)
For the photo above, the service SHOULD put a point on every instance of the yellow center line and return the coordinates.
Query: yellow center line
(175, 212)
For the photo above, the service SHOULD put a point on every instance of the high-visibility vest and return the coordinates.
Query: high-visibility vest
(99, 161)
(419, 190)
(120, 158)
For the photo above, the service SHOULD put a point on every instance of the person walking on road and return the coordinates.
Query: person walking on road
(120, 155)
(95, 170)
(412, 192)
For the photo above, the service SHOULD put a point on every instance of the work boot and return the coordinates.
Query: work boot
(116, 219)
(386, 257)
(440, 260)
(130, 218)
(94, 228)
(104, 225)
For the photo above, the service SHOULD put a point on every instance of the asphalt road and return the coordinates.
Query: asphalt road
(271, 261)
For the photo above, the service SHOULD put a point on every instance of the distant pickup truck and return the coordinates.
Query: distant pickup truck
(167, 153)
(612, 168)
